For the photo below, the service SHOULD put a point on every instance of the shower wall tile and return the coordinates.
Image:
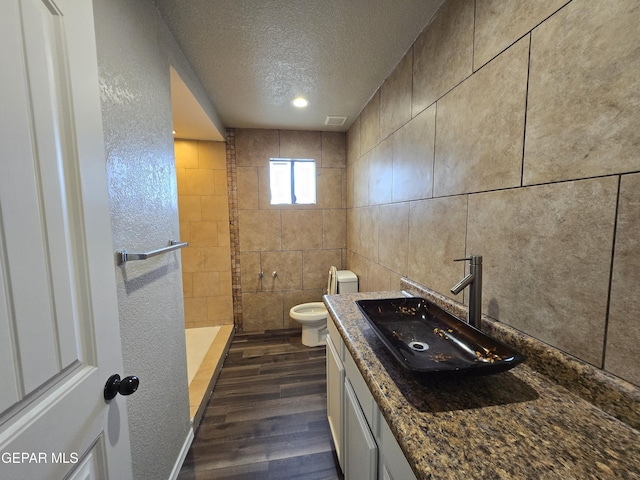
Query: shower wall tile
(393, 244)
(254, 147)
(288, 266)
(203, 234)
(220, 182)
(301, 144)
(192, 259)
(200, 181)
(499, 24)
(413, 150)
(380, 172)
(185, 231)
(547, 256)
(623, 334)
(315, 267)
(443, 53)
(224, 235)
(250, 267)
(260, 230)
(263, 193)
(395, 97)
(334, 228)
(219, 310)
(195, 310)
(334, 150)
(588, 124)
(186, 153)
(190, 208)
(203, 206)
(217, 259)
(301, 229)
(214, 208)
(480, 127)
(212, 155)
(300, 242)
(225, 283)
(262, 311)
(328, 188)
(370, 124)
(206, 284)
(247, 178)
(437, 230)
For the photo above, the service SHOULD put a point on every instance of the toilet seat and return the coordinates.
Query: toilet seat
(309, 312)
(332, 282)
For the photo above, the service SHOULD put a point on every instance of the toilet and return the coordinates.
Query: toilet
(313, 316)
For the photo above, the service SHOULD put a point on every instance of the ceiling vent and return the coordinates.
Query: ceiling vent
(335, 120)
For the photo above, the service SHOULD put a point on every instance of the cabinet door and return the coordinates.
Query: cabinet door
(393, 464)
(361, 451)
(335, 396)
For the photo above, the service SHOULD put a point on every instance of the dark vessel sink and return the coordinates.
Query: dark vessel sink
(425, 339)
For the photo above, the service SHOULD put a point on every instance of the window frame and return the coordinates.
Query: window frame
(292, 187)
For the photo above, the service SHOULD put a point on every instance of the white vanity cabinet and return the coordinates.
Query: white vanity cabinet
(365, 445)
(335, 396)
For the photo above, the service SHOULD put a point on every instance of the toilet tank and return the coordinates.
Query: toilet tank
(347, 281)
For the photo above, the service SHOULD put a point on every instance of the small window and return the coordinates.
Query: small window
(292, 181)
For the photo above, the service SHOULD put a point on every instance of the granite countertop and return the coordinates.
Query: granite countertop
(520, 424)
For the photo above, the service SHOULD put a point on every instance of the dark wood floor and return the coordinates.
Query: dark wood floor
(267, 417)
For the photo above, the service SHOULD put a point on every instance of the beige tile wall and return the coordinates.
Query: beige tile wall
(299, 242)
(522, 146)
(204, 223)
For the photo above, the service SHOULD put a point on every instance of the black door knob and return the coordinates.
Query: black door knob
(115, 386)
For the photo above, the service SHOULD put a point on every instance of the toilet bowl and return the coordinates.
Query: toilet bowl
(313, 318)
(313, 315)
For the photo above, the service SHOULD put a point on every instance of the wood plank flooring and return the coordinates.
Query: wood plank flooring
(267, 417)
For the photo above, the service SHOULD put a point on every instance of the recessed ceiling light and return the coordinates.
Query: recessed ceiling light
(300, 102)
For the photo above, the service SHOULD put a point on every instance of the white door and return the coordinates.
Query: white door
(59, 332)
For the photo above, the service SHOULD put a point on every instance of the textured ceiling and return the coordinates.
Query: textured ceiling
(254, 56)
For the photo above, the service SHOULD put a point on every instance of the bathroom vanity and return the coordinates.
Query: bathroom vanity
(388, 423)
(365, 446)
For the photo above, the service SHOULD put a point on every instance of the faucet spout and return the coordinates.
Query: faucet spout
(462, 284)
(474, 281)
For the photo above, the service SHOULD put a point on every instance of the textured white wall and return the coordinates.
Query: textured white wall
(134, 54)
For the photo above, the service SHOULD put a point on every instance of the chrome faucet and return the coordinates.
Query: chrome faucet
(474, 281)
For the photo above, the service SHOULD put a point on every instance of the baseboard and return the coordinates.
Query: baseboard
(183, 454)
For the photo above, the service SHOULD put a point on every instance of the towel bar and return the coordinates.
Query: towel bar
(124, 256)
